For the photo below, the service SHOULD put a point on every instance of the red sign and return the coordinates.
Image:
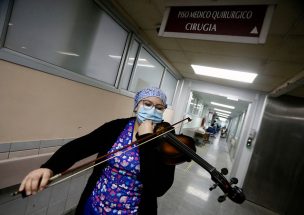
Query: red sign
(229, 21)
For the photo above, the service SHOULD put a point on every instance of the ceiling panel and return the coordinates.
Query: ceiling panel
(176, 56)
(162, 42)
(271, 81)
(144, 13)
(286, 14)
(183, 67)
(225, 48)
(292, 50)
(298, 28)
(282, 69)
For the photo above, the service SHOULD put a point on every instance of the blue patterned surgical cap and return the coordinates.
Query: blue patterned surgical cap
(149, 92)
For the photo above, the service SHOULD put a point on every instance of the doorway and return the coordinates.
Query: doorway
(215, 115)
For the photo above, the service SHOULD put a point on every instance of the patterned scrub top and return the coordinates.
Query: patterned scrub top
(118, 189)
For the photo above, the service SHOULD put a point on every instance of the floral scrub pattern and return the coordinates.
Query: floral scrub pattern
(118, 189)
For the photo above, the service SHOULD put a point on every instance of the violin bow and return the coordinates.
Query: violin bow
(91, 164)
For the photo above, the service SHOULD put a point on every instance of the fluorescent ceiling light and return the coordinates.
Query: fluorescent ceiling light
(227, 114)
(222, 114)
(222, 110)
(222, 105)
(224, 73)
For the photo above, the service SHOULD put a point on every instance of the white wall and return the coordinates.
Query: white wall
(251, 123)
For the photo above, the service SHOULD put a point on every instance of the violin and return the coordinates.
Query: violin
(181, 148)
(175, 149)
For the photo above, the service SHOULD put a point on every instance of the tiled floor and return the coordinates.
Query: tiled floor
(190, 193)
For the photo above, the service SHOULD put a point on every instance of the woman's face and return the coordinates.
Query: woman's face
(150, 108)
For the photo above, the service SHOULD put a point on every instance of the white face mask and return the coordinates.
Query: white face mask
(149, 114)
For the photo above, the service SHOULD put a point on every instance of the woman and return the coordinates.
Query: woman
(128, 184)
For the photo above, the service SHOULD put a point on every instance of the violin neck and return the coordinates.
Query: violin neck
(189, 152)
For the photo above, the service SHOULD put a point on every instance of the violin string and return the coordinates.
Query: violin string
(103, 161)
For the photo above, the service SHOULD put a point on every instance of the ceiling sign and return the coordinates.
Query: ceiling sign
(232, 23)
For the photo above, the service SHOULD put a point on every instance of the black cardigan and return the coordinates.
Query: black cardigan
(155, 176)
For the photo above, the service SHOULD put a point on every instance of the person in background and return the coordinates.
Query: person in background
(128, 184)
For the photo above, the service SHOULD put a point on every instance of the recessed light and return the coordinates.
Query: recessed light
(225, 111)
(222, 105)
(234, 75)
(222, 114)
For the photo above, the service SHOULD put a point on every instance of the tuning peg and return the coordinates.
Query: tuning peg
(221, 198)
(224, 171)
(213, 187)
(234, 180)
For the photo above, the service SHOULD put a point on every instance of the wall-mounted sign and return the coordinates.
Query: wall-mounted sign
(232, 23)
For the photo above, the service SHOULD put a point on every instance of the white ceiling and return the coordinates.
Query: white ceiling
(276, 61)
(280, 59)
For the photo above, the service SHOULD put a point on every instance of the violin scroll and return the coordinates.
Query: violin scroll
(234, 193)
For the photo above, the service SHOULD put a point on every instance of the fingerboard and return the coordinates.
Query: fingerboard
(189, 152)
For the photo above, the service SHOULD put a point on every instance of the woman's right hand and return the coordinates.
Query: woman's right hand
(35, 181)
(146, 127)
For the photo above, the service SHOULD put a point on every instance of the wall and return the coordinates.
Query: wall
(233, 134)
(251, 124)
